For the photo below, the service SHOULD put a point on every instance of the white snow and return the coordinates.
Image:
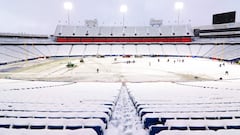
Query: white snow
(179, 85)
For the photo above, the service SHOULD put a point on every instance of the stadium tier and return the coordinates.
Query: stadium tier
(16, 53)
(226, 30)
(65, 33)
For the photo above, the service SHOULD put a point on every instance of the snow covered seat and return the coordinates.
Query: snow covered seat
(182, 106)
(47, 109)
(228, 132)
(176, 125)
(88, 109)
(156, 118)
(74, 124)
(95, 124)
(5, 122)
(94, 115)
(194, 125)
(205, 124)
(151, 121)
(143, 112)
(4, 131)
(215, 124)
(70, 115)
(2, 114)
(19, 123)
(232, 124)
(84, 131)
(104, 103)
(154, 129)
(187, 132)
(197, 125)
(47, 132)
(197, 115)
(160, 118)
(41, 115)
(25, 114)
(38, 123)
(209, 111)
(52, 115)
(189, 124)
(212, 116)
(96, 106)
(85, 115)
(10, 114)
(6, 107)
(55, 124)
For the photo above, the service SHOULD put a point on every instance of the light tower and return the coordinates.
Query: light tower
(123, 10)
(68, 7)
(179, 6)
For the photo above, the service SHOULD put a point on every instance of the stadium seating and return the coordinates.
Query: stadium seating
(104, 50)
(74, 108)
(117, 50)
(143, 50)
(195, 125)
(21, 53)
(82, 131)
(197, 109)
(91, 50)
(156, 49)
(183, 50)
(202, 132)
(170, 50)
(130, 49)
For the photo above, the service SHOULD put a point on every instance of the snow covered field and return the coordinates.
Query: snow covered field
(118, 69)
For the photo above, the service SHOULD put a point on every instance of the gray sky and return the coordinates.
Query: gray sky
(42, 16)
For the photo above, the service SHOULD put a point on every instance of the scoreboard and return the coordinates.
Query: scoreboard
(228, 17)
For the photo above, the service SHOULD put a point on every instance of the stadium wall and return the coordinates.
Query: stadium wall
(124, 39)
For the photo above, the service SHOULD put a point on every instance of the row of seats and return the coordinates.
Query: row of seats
(187, 110)
(83, 131)
(175, 106)
(202, 132)
(20, 53)
(66, 106)
(161, 118)
(53, 115)
(37, 114)
(195, 125)
(165, 107)
(80, 108)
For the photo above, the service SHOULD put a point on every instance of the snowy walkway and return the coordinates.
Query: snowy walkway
(125, 120)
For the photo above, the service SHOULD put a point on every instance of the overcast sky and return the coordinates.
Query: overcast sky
(42, 16)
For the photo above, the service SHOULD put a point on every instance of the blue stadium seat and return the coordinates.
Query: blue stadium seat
(156, 129)
(151, 121)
